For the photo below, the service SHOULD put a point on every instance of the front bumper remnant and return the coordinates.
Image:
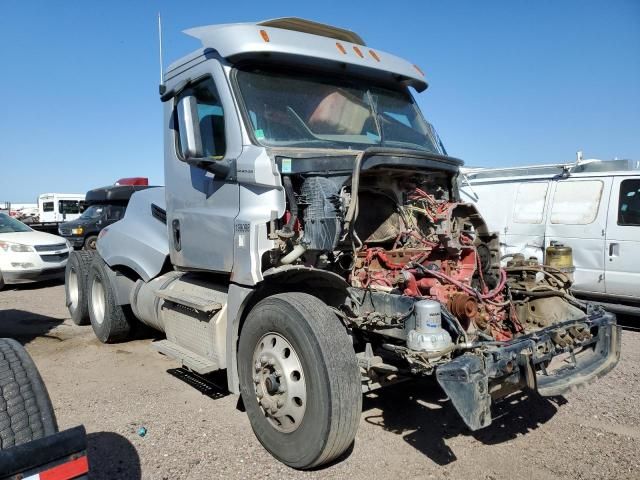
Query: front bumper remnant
(552, 361)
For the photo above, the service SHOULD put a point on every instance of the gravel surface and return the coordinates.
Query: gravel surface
(407, 431)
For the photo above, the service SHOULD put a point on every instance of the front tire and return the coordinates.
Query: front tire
(90, 243)
(75, 285)
(108, 319)
(299, 380)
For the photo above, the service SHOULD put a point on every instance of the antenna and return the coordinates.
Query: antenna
(162, 87)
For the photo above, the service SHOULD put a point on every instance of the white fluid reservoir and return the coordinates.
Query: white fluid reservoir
(428, 336)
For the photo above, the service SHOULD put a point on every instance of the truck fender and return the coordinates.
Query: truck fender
(285, 278)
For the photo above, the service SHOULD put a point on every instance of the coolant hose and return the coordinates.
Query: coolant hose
(287, 230)
(293, 255)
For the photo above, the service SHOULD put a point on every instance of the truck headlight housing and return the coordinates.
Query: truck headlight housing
(15, 247)
(77, 231)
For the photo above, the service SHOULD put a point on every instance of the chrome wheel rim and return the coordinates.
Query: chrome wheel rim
(97, 300)
(72, 285)
(279, 382)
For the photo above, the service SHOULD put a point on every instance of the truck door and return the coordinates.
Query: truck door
(623, 238)
(578, 218)
(202, 206)
(525, 231)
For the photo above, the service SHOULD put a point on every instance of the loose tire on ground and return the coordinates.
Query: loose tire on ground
(26, 412)
(90, 243)
(75, 285)
(109, 320)
(311, 335)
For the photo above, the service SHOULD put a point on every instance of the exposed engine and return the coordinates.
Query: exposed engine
(406, 236)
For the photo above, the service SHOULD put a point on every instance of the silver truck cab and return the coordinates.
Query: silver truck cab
(311, 241)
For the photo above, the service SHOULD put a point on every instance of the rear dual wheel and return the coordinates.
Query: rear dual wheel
(75, 285)
(299, 380)
(111, 322)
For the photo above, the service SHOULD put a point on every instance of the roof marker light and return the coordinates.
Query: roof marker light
(358, 51)
(264, 35)
(419, 70)
(375, 56)
(341, 48)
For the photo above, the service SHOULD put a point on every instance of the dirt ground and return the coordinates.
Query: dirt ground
(405, 432)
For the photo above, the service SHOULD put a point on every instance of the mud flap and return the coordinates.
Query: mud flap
(466, 383)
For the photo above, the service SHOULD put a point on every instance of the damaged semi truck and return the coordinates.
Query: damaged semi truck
(311, 241)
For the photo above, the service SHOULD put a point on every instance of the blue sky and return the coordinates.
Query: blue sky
(511, 82)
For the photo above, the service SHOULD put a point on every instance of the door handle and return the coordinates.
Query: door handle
(614, 250)
(175, 225)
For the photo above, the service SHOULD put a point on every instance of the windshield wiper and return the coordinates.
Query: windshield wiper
(377, 118)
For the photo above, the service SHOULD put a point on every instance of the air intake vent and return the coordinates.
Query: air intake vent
(159, 213)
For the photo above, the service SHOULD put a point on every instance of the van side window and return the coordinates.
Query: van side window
(68, 206)
(47, 207)
(629, 203)
(210, 116)
(529, 204)
(576, 203)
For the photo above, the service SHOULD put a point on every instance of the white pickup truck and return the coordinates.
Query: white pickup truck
(593, 206)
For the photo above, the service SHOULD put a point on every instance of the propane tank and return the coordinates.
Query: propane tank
(428, 335)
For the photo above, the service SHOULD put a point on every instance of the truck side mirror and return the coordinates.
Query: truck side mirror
(189, 128)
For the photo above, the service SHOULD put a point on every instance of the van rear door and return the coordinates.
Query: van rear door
(578, 218)
(623, 238)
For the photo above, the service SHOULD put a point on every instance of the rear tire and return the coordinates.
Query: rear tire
(26, 412)
(297, 357)
(109, 320)
(75, 285)
(90, 243)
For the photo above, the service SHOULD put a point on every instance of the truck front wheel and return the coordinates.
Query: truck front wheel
(90, 242)
(299, 380)
(108, 319)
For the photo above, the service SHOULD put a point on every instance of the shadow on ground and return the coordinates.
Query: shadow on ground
(112, 457)
(24, 326)
(420, 412)
(34, 285)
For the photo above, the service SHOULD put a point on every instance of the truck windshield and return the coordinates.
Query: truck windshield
(11, 225)
(93, 212)
(296, 110)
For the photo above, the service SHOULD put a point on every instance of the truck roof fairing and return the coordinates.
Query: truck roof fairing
(294, 37)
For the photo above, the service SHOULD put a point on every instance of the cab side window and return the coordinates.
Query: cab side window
(629, 203)
(47, 207)
(210, 118)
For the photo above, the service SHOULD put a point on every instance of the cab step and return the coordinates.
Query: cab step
(190, 360)
(191, 301)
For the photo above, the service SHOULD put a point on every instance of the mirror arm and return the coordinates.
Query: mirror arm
(223, 169)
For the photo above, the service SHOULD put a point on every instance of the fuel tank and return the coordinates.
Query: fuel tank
(189, 309)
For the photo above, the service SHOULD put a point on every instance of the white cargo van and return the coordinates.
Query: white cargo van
(59, 207)
(593, 206)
